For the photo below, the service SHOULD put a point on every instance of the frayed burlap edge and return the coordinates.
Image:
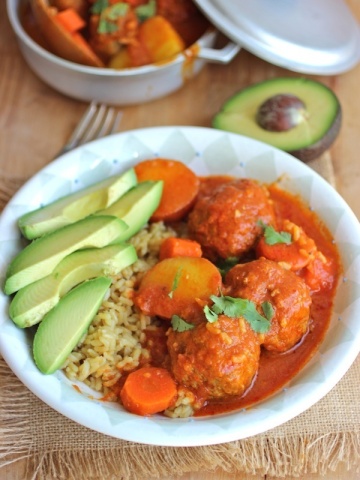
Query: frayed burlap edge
(291, 457)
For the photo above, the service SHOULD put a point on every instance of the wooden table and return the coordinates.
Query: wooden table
(35, 121)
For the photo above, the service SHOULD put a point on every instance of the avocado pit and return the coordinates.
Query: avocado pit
(281, 113)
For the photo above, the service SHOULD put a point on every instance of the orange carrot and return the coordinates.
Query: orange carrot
(178, 286)
(295, 255)
(148, 390)
(319, 273)
(70, 20)
(179, 247)
(181, 187)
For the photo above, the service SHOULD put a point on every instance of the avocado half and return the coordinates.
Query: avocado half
(297, 115)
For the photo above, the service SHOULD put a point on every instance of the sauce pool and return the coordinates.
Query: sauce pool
(276, 370)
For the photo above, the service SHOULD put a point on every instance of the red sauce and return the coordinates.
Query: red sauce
(276, 370)
(184, 17)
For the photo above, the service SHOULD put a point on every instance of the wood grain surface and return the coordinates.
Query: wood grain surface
(35, 121)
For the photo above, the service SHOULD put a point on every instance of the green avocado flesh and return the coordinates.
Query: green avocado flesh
(136, 206)
(63, 327)
(316, 132)
(32, 302)
(41, 256)
(76, 206)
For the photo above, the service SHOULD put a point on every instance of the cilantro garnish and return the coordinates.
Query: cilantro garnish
(272, 237)
(226, 264)
(179, 324)
(175, 282)
(106, 27)
(240, 307)
(117, 10)
(143, 12)
(210, 314)
(109, 15)
(99, 6)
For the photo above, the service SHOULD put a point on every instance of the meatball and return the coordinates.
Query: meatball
(266, 281)
(226, 223)
(217, 359)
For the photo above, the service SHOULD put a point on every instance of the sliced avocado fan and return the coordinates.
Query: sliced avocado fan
(32, 302)
(76, 206)
(41, 256)
(64, 325)
(136, 206)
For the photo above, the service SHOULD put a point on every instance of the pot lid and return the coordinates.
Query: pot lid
(307, 36)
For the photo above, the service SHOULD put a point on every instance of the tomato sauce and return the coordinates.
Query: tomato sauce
(276, 370)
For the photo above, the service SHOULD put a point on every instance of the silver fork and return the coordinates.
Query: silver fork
(98, 121)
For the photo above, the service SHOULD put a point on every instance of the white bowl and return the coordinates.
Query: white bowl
(117, 87)
(200, 149)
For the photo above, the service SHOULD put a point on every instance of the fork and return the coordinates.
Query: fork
(98, 121)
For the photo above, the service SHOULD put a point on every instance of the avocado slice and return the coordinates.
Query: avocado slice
(32, 302)
(41, 256)
(298, 115)
(62, 327)
(76, 206)
(136, 206)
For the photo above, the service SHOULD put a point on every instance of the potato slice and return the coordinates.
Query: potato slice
(178, 286)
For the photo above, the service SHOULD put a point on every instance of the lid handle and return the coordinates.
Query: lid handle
(222, 55)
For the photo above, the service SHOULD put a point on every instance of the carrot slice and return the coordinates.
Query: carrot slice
(70, 20)
(181, 187)
(293, 256)
(179, 247)
(148, 390)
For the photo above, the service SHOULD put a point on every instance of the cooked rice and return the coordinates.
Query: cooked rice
(112, 344)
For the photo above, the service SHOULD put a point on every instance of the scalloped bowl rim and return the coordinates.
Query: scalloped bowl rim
(199, 148)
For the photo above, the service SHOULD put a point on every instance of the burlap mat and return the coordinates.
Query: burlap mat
(58, 448)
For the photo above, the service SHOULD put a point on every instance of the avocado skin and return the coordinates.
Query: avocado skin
(62, 328)
(41, 256)
(318, 148)
(136, 206)
(75, 206)
(306, 141)
(32, 302)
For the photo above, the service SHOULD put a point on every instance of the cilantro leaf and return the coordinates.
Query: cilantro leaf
(117, 10)
(210, 315)
(106, 27)
(109, 16)
(268, 310)
(240, 307)
(219, 303)
(273, 237)
(179, 324)
(225, 265)
(146, 11)
(175, 282)
(99, 6)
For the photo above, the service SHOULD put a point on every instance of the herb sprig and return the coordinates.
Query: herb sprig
(109, 14)
(175, 283)
(179, 324)
(240, 307)
(273, 237)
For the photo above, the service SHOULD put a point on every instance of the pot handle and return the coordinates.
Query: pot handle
(222, 55)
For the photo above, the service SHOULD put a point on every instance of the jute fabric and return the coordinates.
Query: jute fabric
(57, 448)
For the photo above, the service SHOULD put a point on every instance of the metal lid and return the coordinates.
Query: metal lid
(307, 36)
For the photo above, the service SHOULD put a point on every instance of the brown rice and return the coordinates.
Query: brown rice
(113, 343)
